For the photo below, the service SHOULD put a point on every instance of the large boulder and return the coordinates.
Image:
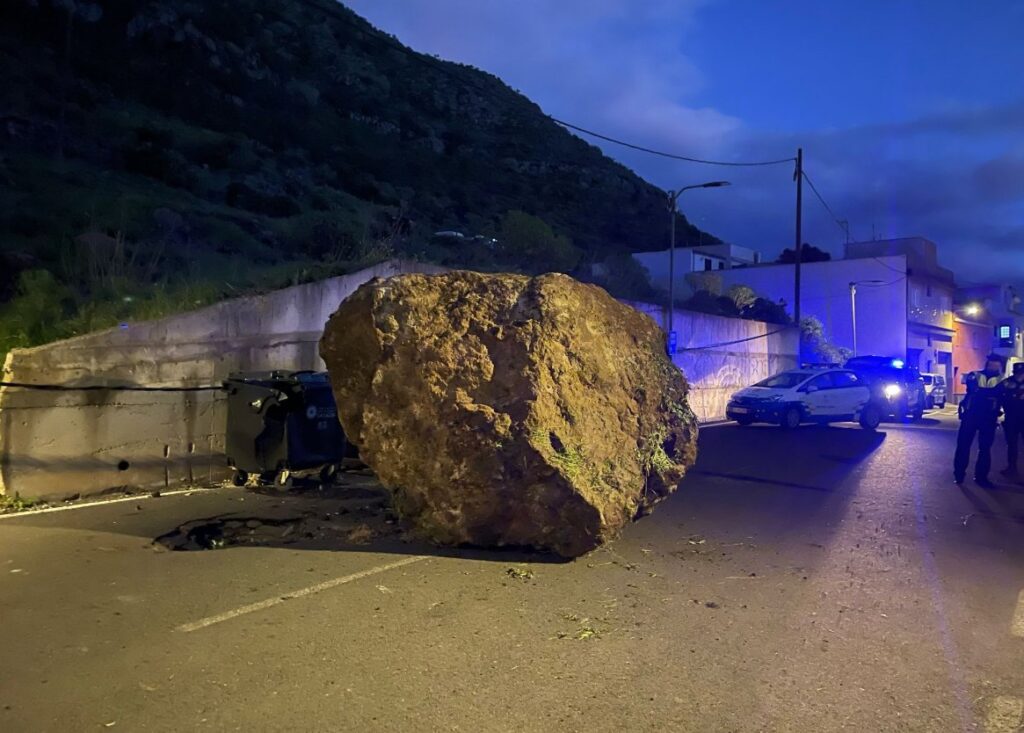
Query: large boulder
(503, 410)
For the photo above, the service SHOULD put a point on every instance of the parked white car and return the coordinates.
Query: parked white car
(806, 395)
(935, 390)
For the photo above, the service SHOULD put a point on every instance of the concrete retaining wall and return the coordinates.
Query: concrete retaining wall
(763, 349)
(56, 444)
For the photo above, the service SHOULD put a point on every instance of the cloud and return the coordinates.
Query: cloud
(955, 175)
(613, 65)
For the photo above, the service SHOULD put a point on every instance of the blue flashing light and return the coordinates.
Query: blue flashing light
(898, 363)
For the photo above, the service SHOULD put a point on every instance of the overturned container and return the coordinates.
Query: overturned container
(280, 422)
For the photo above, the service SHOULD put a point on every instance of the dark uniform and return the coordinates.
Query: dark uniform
(979, 416)
(1013, 424)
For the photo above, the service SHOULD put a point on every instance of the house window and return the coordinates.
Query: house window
(707, 263)
(721, 265)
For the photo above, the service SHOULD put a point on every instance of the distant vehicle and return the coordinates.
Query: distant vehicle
(934, 390)
(897, 389)
(798, 396)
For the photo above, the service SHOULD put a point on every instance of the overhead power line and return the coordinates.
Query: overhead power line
(663, 154)
(841, 223)
(446, 68)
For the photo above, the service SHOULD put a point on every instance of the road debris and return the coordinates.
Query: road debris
(519, 573)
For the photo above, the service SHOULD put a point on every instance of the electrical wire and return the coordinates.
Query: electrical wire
(839, 222)
(663, 154)
(446, 68)
(104, 387)
(737, 341)
(890, 267)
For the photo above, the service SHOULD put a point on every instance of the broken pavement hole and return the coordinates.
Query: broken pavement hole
(336, 526)
(215, 533)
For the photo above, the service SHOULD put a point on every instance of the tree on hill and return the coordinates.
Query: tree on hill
(808, 253)
(529, 245)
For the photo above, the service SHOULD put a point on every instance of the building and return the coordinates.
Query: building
(930, 291)
(702, 258)
(889, 298)
(1005, 313)
(972, 342)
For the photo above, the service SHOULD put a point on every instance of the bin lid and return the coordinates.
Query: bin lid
(280, 377)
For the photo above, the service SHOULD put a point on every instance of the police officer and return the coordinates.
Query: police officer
(1013, 423)
(979, 416)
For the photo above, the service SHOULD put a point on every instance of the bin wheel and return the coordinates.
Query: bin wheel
(239, 477)
(283, 479)
(328, 473)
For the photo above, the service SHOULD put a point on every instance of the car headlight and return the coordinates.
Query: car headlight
(891, 391)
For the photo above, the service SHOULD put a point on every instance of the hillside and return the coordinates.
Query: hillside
(160, 154)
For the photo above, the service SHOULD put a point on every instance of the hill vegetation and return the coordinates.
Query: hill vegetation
(157, 155)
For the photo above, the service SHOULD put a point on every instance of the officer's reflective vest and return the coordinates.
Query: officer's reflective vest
(982, 394)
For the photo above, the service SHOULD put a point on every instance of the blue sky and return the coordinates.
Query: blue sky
(910, 112)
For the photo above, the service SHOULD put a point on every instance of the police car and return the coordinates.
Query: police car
(798, 396)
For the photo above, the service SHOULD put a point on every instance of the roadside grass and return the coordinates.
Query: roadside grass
(14, 503)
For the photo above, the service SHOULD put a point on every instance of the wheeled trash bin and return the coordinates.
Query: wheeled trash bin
(279, 422)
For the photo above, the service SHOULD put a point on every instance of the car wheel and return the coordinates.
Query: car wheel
(917, 414)
(870, 418)
(791, 418)
(942, 405)
(239, 478)
(283, 479)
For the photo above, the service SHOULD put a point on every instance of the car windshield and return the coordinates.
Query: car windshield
(785, 380)
(927, 379)
(876, 373)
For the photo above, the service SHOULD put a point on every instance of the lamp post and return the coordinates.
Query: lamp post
(853, 306)
(673, 198)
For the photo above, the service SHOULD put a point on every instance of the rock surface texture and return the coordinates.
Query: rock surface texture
(503, 410)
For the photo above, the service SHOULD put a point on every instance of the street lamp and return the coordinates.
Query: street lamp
(972, 309)
(853, 305)
(673, 198)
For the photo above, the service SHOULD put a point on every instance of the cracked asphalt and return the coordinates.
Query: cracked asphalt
(823, 579)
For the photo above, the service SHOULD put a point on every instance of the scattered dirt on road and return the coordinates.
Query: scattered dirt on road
(345, 517)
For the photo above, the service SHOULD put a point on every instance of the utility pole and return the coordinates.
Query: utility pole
(673, 196)
(853, 314)
(799, 175)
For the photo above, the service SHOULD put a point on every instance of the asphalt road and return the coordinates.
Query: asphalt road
(820, 580)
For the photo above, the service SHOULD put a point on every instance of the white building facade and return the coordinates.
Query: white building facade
(892, 291)
(703, 258)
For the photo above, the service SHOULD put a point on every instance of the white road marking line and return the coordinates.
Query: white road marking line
(102, 502)
(1005, 715)
(1017, 627)
(270, 602)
